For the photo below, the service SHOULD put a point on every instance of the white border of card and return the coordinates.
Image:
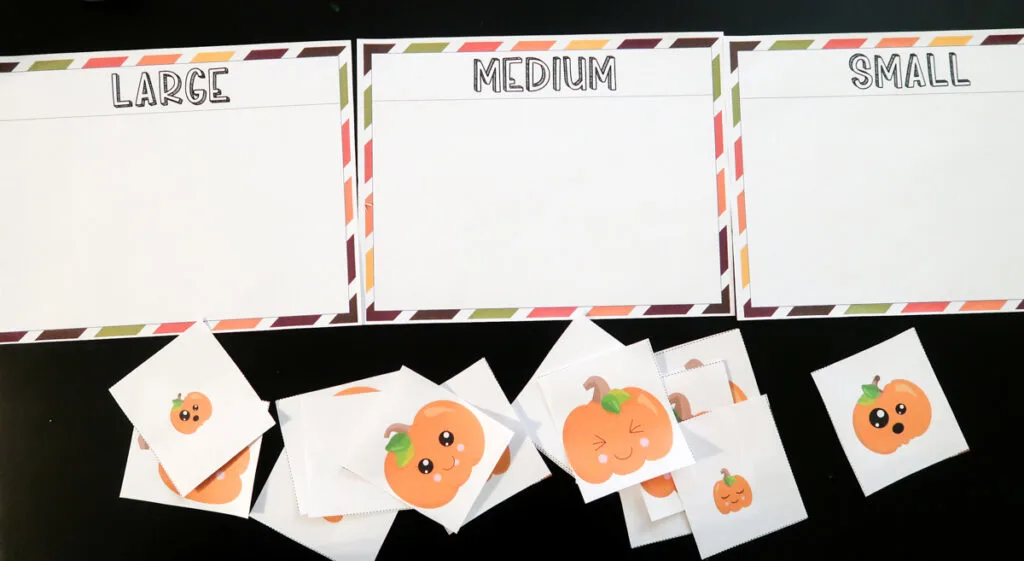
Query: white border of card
(726, 346)
(895, 425)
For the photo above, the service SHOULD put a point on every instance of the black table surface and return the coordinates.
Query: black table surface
(63, 440)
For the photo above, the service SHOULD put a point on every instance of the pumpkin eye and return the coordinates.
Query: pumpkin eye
(634, 429)
(901, 409)
(599, 443)
(183, 415)
(741, 491)
(446, 439)
(725, 498)
(878, 418)
(425, 466)
(195, 407)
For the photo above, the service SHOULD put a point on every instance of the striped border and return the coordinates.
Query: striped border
(367, 49)
(224, 54)
(917, 40)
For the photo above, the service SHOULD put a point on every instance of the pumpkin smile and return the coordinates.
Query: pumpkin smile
(455, 462)
(628, 456)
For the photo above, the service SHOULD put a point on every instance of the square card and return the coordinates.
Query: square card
(583, 338)
(617, 427)
(484, 102)
(746, 489)
(726, 346)
(639, 526)
(193, 406)
(226, 138)
(321, 487)
(889, 411)
(520, 465)
(420, 442)
(338, 538)
(692, 393)
(228, 491)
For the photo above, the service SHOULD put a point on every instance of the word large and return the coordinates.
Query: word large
(197, 87)
(515, 74)
(913, 75)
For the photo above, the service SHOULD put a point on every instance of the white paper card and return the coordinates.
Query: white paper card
(727, 346)
(617, 427)
(639, 526)
(193, 406)
(895, 425)
(350, 538)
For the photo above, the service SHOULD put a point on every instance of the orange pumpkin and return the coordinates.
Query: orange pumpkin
(737, 393)
(732, 493)
(503, 462)
(428, 461)
(334, 519)
(190, 413)
(220, 488)
(616, 432)
(663, 485)
(885, 419)
(354, 390)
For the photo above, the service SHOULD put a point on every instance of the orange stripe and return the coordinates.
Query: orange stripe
(105, 62)
(609, 311)
(368, 212)
(533, 45)
(586, 44)
(480, 46)
(236, 324)
(222, 56)
(897, 42)
(844, 43)
(346, 143)
(721, 192)
(151, 60)
(348, 201)
(173, 327)
(924, 307)
(741, 208)
(369, 268)
(745, 266)
(551, 312)
(950, 41)
(983, 306)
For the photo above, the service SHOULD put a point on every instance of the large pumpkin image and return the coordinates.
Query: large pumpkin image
(663, 485)
(886, 418)
(732, 493)
(189, 413)
(737, 393)
(503, 462)
(220, 488)
(615, 432)
(428, 461)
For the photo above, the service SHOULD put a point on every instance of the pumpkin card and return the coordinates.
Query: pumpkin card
(691, 393)
(639, 526)
(339, 538)
(728, 347)
(581, 339)
(889, 411)
(520, 465)
(321, 487)
(193, 406)
(745, 490)
(618, 429)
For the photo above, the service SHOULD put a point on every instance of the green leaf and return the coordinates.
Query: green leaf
(610, 404)
(676, 413)
(176, 404)
(404, 456)
(729, 480)
(871, 393)
(400, 442)
(620, 396)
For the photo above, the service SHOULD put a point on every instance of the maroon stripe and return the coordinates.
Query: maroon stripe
(426, 315)
(373, 315)
(722, 308)
(321, 51)
(8, 66)
(723, 249)
(639, 43)
(1002, 39)
(351, 316)
(681, 310)
(12, 337)
(799, 311)
(735, 48)
(59, 334)
(694, 43)
(753, 312)
(351, 247)
(266, 54)
(1020, 306)
(369, 51)
(295, 321)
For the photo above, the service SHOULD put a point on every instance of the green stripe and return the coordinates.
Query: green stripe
(716, 76)
(791, 45)
(495, 313)
(425, 48)
(51, 65)
(344, 86)
(120, 331)
(735, 105)
(867, 309)
(367, 107)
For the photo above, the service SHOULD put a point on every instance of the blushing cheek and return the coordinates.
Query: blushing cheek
(644, 443)
(602, 459)
(461, 447)
(437, 478)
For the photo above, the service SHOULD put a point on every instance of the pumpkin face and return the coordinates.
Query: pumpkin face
(885, 419)
(503, 462)
(220, 488)
(737, 393)
(188, 414)
(616, 432)
(430, 460)
(732, 493)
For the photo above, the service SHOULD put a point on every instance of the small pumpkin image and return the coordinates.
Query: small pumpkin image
(503, 462)
(191, 412)
(616, 432)
(737, 393)
(429, 461)
(220, 488)
(732, 493)
(355, 390)
(663, 485)
(334, 519)
(886, 418)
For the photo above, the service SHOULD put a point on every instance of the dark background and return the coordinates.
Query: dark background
(63, 440)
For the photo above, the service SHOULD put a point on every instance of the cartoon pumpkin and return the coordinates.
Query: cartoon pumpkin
(220, 488)
(190, 413)
(334, 519)
(663, 485)
(737, 393)
(503, 462)
(616, 432)
(885, 419)
(430, 460)
(732, 493)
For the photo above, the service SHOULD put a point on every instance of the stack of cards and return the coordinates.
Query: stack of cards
(673, 432)
(198, 427)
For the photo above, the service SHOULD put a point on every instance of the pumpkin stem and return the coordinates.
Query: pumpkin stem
(396, 427)
(693, 363)
(142, 443)
(875, 380)
(725, 472)
(599, 385)
(681, 406)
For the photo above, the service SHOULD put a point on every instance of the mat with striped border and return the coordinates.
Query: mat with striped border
(714, 43)
(845, 41)
(342, 50)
